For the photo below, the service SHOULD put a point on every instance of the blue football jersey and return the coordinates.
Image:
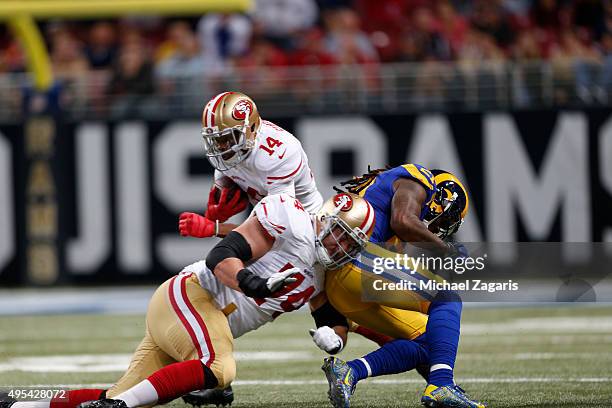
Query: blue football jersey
(380, 192)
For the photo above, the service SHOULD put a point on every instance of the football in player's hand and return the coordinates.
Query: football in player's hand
(225, 200)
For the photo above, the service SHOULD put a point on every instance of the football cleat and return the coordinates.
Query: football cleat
(449, 396)
(215, 396)
(6, 401)
(104, 403)
(341, 382)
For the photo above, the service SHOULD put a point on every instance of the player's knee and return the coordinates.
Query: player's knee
(447, 302)
(224, 371)
(228, 375)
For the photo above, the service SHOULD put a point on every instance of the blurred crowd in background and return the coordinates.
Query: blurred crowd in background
(138, 56)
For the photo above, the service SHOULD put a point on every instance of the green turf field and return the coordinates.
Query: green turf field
(516, 357)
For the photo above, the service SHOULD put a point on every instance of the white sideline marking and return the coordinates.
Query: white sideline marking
(475, 380)
(274, 355)
(101, 363)
(542, 325)
(534, 356)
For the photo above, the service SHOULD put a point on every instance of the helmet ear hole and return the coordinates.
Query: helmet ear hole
(253, 127)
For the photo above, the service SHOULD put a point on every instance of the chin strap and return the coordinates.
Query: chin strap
(322, 255)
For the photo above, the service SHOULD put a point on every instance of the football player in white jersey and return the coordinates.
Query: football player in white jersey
(256, 155)
(260, 158)
(272, 263)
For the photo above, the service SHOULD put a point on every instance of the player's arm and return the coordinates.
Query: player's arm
(331, 334)
(225, 229)
(406, 205)
(224, 200)
(246, 242)
(195, 225)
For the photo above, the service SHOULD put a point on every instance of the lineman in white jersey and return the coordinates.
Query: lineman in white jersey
(284, 219)
(270, 264)
(258, 156)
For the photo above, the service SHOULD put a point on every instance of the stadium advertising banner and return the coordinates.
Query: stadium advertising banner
(98, 202)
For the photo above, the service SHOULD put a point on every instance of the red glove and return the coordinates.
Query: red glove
(226, 207)
(194, 225)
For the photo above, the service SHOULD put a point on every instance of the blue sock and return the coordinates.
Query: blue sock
(397, 356)
(443, 337)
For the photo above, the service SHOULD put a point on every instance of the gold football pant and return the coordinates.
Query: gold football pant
(182, 324)
(344, 291)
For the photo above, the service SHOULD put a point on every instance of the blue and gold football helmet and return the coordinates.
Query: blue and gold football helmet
(449, 205)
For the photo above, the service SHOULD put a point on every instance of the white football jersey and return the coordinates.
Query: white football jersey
(292, 227)
(277, 164)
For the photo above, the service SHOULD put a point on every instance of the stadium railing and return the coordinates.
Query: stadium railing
(338, 89)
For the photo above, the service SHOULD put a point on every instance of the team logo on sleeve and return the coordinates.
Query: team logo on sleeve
(241, 108)
(344, 200)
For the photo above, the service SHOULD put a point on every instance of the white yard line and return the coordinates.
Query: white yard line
(517, 327)
(421, 381)
(102, 363)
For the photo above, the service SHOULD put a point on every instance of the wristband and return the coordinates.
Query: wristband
(327, 315)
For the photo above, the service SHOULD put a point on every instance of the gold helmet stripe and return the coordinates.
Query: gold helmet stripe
(449, 177)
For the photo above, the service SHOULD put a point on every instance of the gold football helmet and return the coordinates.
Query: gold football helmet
(346, 224)
(449, 205)
(230, 122)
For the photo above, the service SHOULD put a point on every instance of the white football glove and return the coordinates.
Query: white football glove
(327, 340)
(280, 279)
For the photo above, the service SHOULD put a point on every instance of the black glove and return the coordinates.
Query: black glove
(257, 287)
